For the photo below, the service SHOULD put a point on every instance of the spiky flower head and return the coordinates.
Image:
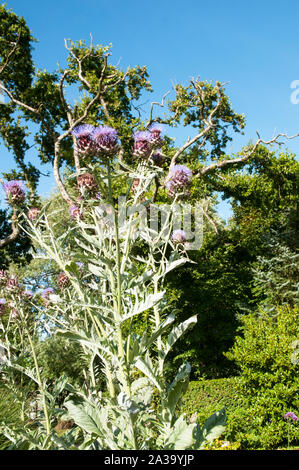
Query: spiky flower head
(179, 236)
(46, 292)
(33, 213)
(27, 295)
(291, 415)
(135, 184)
(142, 143)
(63, 281)
(158, 158)
(15, 191)
(179, 180)
(85, 142)
(156, 130)
(105, 139)
(87, 182)
(75, 212)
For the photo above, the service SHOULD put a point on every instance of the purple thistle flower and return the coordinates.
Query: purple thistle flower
(84, 140)
(80, 266)
(142, 143)
(155, 130)
(180, 179)
(179, 236)
(180, 170)
(75, 212)
(46, 292)
(84, 130)
(291, 415)
(33, 213)
(105, 139)
(27, 295)
(15, 191)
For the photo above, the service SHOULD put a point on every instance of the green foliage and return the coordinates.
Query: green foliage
(212, 288)
(205, 397)
(276, 278)
(16, 252)
(269, 378)
(10, 413)
(58, 357)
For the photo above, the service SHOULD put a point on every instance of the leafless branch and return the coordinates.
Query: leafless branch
(247, 155)
(14, 232)
(155, 103)
(208, 122)
(79, 61)
(210, 220)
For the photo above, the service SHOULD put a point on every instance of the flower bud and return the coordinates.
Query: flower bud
(14, 191)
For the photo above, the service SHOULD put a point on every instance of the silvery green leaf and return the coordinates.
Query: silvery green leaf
(146, 367)
(142, 391)
(177, 388)
(84, 416)
(55, 298)
(161, 328)
(174, 265)
(91, 342)
(140, 307)
(180, 436)
(177, 332)
(127, 404)
(213, 427)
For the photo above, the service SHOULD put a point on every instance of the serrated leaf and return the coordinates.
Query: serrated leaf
(140, 307)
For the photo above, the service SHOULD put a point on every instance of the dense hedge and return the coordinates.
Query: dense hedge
(269, 379)
(267, 388)
(208, 396)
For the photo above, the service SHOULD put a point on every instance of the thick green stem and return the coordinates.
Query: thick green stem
(123, 368)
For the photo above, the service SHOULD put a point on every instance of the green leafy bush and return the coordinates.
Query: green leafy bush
(207, 396)
(268, 381)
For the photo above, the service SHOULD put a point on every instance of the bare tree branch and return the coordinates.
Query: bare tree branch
(15, 230)
(247, 155)
(155, 103)
(208, 122)
(211, 221)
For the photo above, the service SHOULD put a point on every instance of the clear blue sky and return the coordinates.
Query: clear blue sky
(252, 45)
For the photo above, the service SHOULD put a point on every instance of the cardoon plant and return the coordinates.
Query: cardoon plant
(95, 304)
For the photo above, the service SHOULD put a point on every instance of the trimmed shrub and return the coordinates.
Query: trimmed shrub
(269, 380)
(208, 396)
